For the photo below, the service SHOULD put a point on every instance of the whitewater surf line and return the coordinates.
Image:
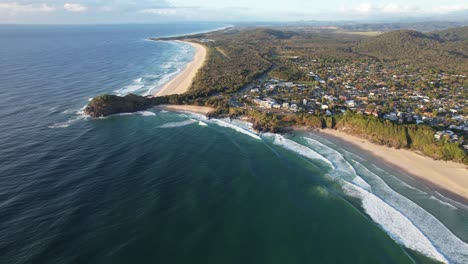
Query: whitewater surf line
(300, 149)
(404, 220)
(178, 124)
(234, 127)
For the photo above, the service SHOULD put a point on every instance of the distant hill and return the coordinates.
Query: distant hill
(398, 43)
(426, 26)
(438, 49)
(454, 34)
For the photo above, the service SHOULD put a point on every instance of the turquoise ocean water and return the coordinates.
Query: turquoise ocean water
(168, 187)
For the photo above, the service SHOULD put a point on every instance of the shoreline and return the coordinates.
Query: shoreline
(182, 82)
(202, 110)
(447, 177)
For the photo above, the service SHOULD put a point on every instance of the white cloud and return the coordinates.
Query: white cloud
(364, 8)
(450, 8)
(15, 8)
(392, 8)
(71, 7)
(159, 11)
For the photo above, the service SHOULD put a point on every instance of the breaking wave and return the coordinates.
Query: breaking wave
(393, 222)
(404, 220)
(178, 124)
(239, 129)
(146, 113)
(67, 123)
(149, 83)
(300, 149)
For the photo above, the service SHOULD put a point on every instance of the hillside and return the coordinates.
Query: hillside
(454, 34)
(445, 50)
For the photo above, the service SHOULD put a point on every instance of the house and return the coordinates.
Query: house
(392, 116)
(439, 135)
(276, 106)
(285, 105)
(350, 103)
(294, 107)
(324, 107)
(257, 101)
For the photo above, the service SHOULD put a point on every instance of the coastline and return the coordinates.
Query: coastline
(447, 176)
(203, 110)
(183, 81)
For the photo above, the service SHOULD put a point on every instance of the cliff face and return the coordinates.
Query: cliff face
(105, 105)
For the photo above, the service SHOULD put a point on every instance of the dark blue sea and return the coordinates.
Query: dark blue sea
(169, 187)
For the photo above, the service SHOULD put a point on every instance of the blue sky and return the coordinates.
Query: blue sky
(148, 11)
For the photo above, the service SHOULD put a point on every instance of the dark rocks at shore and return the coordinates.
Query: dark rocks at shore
(105, 105)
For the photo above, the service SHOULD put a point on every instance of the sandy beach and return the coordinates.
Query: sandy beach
(447, 176)
(203, 110)
(182, 82)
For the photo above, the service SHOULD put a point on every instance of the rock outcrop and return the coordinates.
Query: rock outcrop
(105, 105)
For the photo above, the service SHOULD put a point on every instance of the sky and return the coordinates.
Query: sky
(161, 11)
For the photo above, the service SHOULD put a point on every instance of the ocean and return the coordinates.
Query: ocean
(167, 187)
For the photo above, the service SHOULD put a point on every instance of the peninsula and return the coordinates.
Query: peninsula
(367, 86)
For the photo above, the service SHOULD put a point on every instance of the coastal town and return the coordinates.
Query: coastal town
(399, 94)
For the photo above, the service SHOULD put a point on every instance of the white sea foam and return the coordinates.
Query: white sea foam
(236, 128)
(200, 123)
(383, 208)
(151, 88)
(396, 224)
(443, 239)
(442, 202)
(149, 83)
(300, 149)
(343, 169)
(67, 123)
(178, 124)
(404, 220)
(146, 113)
(60, 125)
(195, 116)
(461, 205)
(129, 89)
(142, 113)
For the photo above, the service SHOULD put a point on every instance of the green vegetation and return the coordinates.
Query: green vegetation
(239, 57)
(228, 68)
(408, 136)
(383, 132)
(446, 52)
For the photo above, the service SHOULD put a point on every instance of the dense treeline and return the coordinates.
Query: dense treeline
(237, 57)
(379, 131)
(447, 51)
(410, 136)
(229, 68)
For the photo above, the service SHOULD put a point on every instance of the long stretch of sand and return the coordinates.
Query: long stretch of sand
(182, 82)
(452, 177)
(187, 108)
